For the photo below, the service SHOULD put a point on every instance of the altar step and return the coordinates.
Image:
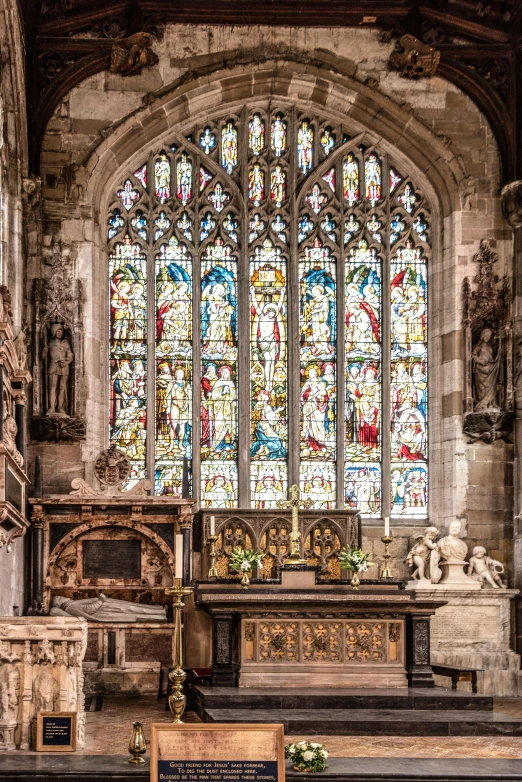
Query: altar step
(408, 712)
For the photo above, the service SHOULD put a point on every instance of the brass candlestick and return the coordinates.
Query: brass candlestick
(137, 745)
(177, 698)
(386, 572)
(212, 573)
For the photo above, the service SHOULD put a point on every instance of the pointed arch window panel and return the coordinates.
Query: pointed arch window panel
(268, 294)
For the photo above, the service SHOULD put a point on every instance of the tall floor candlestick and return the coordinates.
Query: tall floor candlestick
(213, 573)
(177, 698)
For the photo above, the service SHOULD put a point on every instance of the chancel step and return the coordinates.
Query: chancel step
(407, 698)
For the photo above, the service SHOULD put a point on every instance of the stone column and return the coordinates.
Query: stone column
(19, 400)
(512, 209)
(37, 529)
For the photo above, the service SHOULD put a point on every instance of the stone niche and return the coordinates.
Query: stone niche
(40, 670)
(474, 629)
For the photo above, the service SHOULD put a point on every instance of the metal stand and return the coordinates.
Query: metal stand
(177, 698)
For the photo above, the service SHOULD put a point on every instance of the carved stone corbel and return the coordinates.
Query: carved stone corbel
(512, 203)
(414, 59)
(130, 55)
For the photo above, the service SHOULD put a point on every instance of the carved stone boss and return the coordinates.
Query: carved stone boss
(58, 351)
(488, 403)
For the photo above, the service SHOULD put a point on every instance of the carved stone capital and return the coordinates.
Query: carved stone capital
(19, 396)
(512, 203)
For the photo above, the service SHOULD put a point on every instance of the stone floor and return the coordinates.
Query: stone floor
(108, 732)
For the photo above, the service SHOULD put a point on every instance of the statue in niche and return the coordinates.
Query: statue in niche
(425, 556)
(46, 690)
(452, 547)
(489, 402)
(486, 569)
(9, 691)
(10, 432)
(59, 356)
(107, 609)
(485, 368)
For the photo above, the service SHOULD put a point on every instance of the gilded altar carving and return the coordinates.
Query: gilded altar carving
(323, 641)
(278, 641)
(269, 532)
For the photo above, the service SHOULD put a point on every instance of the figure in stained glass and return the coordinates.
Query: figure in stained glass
(351, 228)
(267, 430)
(256, 226)
(219, 484)
(268, 326)
(316, 199)
(278, 135)
(223, 414)
(256, 134)
(362, 311)
(116, 223)
(408, 199)
(128, 194)
(317, 318)
(351, 179)
(162, 178)
(278, 185)
(318, 414)
(318, 484)
(184, 179)
(139, 223)
(207, 141)
(363, 489)
(208, 382)
(408, 411)
(128, 306)
(363, 393)
(174, 318)
(184, 223)
(173, 409)
(409, 489)
(231, 226)
(229, 147)
(256, 184)
(127, 382)
(130, 429)
(305, 145)
(268, 484)
(408, 302)
(327, 141)
(218, 312)
(207, 226)
(373, 178)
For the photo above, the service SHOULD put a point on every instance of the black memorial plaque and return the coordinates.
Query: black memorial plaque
(57, 731)
(217, 771)
(112, 559)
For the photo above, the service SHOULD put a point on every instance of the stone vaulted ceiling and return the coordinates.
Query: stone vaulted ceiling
(479, 43)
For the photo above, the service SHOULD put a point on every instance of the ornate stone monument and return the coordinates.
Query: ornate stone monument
(40, 670)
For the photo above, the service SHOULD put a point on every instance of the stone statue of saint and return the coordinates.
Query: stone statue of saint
(485, 367)
(452, 548)
(107, 609)
(59, 355)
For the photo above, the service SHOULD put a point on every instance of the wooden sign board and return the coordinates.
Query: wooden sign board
(217, 753)
(56, 731)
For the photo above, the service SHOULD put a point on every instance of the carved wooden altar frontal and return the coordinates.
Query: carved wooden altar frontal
(333, 641)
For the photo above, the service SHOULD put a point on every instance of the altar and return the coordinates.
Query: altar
(297, 630)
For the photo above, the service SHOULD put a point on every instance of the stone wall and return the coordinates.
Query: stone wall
(107, 124)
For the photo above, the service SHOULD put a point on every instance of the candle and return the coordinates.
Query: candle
(179, 556)
(387, 526)
(212, 525)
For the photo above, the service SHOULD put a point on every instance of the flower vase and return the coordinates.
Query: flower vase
(355, 581)
(245, 580)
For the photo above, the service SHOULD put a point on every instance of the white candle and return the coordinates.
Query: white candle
(179, 556)
(212, 525)
(387, 526)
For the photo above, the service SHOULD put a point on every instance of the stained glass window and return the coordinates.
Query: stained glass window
(263, 368)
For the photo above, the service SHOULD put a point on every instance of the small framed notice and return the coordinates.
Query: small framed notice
(56, 731)
(217, 753)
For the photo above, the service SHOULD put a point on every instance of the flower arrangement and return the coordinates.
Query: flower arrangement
(355, 560)
(307, 756)
(242, 561)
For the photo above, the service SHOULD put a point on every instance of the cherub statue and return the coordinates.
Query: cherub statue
(424, 556)
(485, 569)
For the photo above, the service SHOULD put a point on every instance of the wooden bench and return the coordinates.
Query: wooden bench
(458, 674)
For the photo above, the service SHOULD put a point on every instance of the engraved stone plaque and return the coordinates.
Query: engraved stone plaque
(217, 753)
(111, 559)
